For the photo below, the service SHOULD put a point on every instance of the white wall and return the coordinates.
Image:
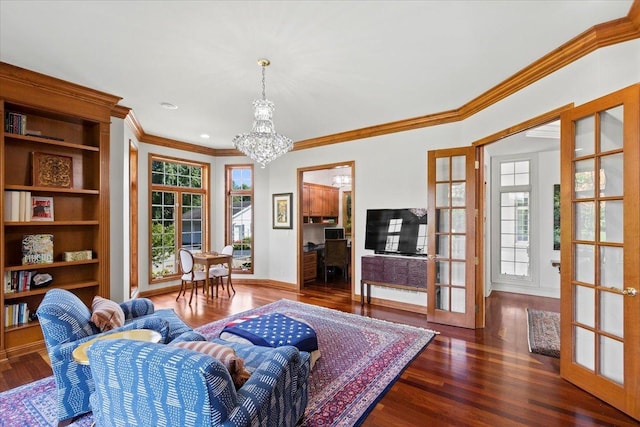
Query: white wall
(390, 170)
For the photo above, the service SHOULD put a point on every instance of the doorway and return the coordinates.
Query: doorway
(483, 268)
(326, 211)
(599, 241)
(522, 175)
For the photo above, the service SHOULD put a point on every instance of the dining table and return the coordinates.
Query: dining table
(208, 259)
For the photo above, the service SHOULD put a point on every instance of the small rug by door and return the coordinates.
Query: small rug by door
(544, 332)
(361, 359)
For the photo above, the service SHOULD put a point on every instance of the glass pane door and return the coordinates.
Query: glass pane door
(451, 219)
(599, 244)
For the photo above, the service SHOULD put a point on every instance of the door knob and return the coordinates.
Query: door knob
(632, 292)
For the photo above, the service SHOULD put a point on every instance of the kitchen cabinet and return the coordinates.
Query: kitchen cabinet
(320, 203)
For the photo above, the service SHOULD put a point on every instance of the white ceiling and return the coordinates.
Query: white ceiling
(336, 65)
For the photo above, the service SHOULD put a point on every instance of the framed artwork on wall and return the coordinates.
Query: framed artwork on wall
(283, 210)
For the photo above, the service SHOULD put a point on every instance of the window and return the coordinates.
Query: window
(178, 212)
(239, 220)
(514, 233)
(512, 230)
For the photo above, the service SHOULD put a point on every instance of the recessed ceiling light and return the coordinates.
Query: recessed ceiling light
(204, 136)
(168, 106)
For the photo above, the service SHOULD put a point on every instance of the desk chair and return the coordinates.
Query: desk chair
(335, 255)
(189, 275)
(220, 271)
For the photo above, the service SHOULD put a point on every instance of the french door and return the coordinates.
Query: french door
(451, 241)
(600, 248)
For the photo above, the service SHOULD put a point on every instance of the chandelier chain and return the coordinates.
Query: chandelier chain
(264, 92)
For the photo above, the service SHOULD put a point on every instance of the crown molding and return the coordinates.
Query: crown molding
(120, 111)
(186, 146)
(634, 14)
(58, 86)
(601, 35)
(17, 84)
(179, 145)
(392, 127)
(526, 125)
(129, 117)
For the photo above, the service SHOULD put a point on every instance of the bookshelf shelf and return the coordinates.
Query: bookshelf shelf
(57, 264)
(68, 125)
(17, 328)
(32, 188)
(51, 142)
(49, 223)
(41, 291)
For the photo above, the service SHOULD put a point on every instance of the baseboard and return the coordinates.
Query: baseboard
(25, 349)
(538, 292)
(414, 308)
(158, 291)
(269, 283)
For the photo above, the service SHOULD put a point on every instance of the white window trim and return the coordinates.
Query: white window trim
(534, 258)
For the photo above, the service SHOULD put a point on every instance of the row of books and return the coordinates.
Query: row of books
(16, 314)
(18, 281)
(21, 206)
(15, 123)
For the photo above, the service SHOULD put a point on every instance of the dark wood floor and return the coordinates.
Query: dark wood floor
(484, 377)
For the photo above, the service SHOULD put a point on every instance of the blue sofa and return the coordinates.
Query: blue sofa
(146, 384)
(66, 323)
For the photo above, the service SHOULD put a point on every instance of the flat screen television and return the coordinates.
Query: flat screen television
(397, 231)
(333, 233)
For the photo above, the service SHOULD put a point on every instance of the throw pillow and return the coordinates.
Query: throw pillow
(226, 355)
(106, 314)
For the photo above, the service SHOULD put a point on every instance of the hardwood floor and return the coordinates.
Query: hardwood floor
(484, 377)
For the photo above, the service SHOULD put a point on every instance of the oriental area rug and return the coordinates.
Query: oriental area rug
(360, 360)
(544, 332)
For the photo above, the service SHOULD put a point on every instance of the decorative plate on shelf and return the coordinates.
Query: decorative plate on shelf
(52, 170)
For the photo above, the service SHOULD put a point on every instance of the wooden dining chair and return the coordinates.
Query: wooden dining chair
(189, 275)
(220, 271)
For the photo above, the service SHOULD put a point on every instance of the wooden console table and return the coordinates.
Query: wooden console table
(392, 272)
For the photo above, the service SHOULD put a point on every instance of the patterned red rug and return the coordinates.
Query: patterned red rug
(361, 359)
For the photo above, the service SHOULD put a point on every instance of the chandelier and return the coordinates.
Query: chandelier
(341, 180)
(263, 144)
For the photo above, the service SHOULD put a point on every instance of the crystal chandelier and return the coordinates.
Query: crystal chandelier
(341, 180)
(263, 144)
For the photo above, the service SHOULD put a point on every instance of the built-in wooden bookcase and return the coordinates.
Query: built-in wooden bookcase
(71, 122)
